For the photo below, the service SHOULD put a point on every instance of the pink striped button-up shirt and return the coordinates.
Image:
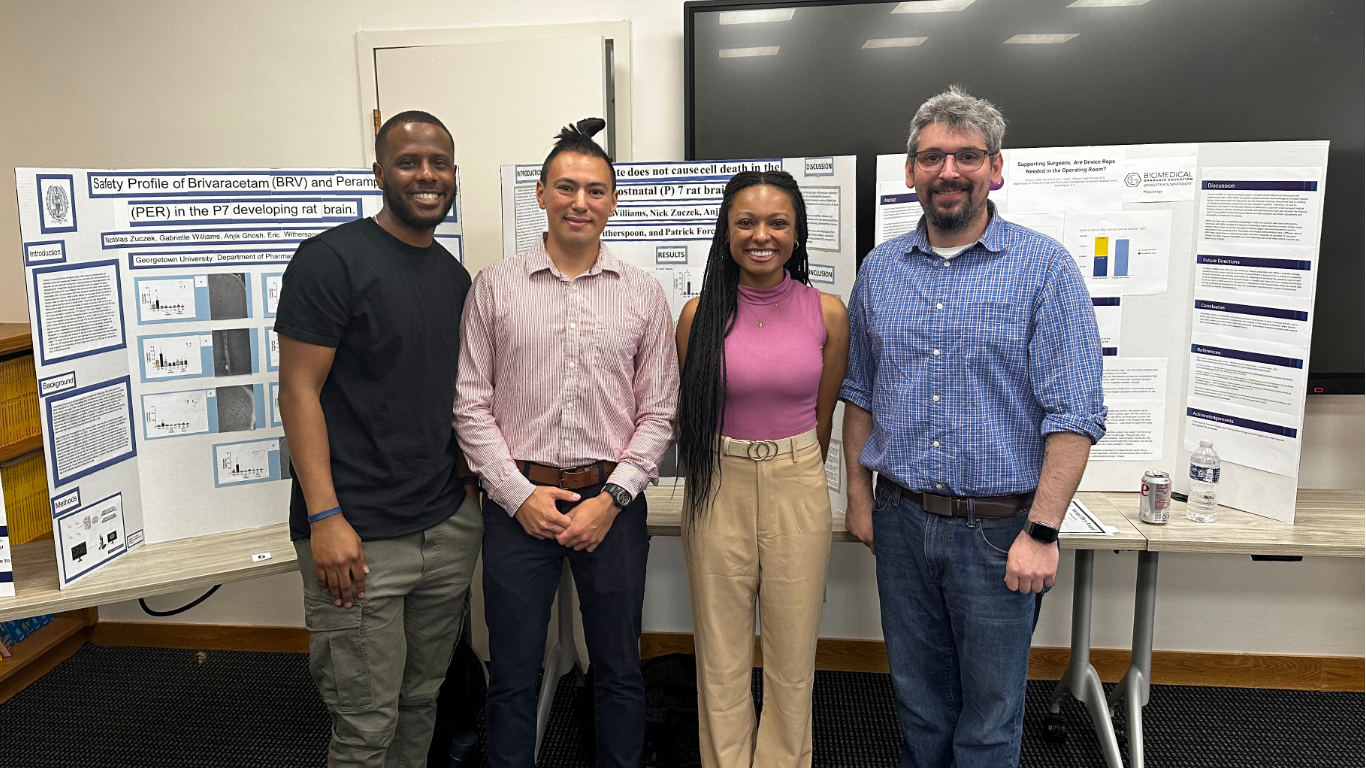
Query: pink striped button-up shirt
(565, 372)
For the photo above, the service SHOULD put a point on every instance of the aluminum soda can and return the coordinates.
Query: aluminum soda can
(1155, 497)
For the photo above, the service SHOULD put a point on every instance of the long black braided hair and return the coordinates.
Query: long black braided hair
(702, 399)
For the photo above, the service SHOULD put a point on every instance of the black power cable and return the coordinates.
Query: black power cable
(182, 608)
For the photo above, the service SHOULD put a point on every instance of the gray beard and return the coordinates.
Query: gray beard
(953, 222)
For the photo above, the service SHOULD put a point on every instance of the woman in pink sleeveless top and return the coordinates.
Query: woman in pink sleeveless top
(763, 356)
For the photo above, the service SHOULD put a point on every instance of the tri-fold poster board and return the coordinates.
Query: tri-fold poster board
(1202, 261)
(152, 293)
(6, 561)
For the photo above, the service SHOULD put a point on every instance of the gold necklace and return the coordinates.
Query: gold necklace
(771, 308)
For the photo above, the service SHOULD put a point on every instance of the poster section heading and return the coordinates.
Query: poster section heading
(144, 213)
(170, 183)
(1064, 179)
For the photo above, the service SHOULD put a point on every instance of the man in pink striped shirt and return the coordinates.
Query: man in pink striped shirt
(564, 406)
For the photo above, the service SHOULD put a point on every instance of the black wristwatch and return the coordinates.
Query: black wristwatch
(620, 496)
(1041, 532)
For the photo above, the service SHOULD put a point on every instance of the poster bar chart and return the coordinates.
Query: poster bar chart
(1101, 260)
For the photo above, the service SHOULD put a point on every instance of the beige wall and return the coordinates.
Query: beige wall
(254, 83)
(267, 83)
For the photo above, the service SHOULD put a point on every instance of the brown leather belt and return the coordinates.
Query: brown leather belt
(569, 479)
(987, 507)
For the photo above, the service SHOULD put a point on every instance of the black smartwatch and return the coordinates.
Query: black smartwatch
(1041, 532)
(620, 496)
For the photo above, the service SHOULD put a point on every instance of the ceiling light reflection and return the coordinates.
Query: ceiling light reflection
(740, 53)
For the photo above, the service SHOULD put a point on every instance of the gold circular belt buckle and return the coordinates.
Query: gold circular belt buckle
(762, 450)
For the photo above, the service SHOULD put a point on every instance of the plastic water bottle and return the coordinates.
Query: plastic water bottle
(1202, 504)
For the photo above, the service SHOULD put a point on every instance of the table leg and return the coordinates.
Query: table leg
(560, 657)
(1133, 687)
(1080, 678)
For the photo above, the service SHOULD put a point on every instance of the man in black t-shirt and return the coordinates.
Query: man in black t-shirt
(386, 524)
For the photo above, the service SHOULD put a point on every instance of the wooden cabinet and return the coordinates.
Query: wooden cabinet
(24, 477)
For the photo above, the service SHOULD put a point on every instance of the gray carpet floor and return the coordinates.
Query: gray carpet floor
(134, 707)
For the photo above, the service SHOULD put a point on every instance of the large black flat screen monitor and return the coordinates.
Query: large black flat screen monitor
(1135, 72)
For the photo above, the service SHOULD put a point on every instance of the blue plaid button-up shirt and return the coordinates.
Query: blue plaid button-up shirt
(967, 364)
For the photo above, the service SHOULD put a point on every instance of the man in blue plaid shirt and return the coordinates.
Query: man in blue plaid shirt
(973, 390)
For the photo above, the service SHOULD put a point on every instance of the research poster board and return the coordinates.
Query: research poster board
(665, 219)
(6, 560)
(151, 298)
(1201, 260)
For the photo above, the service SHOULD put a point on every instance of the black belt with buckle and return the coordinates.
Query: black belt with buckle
(987, 507)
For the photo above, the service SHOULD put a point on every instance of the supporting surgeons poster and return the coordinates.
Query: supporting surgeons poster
(665, 218)
(152, 295)
(1201, 260)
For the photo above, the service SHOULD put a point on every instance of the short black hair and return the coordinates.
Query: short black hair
(411, 116)
(578, 138)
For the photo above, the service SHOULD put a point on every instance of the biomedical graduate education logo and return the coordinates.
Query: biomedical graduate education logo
(56, 203)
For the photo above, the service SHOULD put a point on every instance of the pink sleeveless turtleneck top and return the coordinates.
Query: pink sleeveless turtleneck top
(773, 372)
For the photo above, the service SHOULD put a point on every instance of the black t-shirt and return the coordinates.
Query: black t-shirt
(392, 311)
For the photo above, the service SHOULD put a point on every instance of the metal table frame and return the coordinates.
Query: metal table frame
(1081, 680)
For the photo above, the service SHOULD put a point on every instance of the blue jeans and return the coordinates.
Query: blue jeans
(957, 638)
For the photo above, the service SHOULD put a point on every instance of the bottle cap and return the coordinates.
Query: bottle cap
(1207, 443)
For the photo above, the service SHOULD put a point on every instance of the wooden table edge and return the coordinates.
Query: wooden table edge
(100, 591)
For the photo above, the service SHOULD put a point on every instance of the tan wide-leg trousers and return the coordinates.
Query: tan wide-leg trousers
(766, 534)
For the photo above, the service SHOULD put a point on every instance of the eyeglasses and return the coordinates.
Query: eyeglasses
(932, 160)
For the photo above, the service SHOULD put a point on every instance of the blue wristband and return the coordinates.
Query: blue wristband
(325, 513)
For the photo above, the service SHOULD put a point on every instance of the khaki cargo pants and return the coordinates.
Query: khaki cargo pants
(380, 663)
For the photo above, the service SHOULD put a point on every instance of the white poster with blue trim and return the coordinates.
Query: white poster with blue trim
(1210, 252)
(152, 297)
(6, 561)
(666, 215)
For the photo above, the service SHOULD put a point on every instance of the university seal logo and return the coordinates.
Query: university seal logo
(57, 203)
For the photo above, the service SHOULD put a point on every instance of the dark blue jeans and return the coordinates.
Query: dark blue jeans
(957, 638)
(521, 575)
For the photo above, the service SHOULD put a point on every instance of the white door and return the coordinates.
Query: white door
(503, 102)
